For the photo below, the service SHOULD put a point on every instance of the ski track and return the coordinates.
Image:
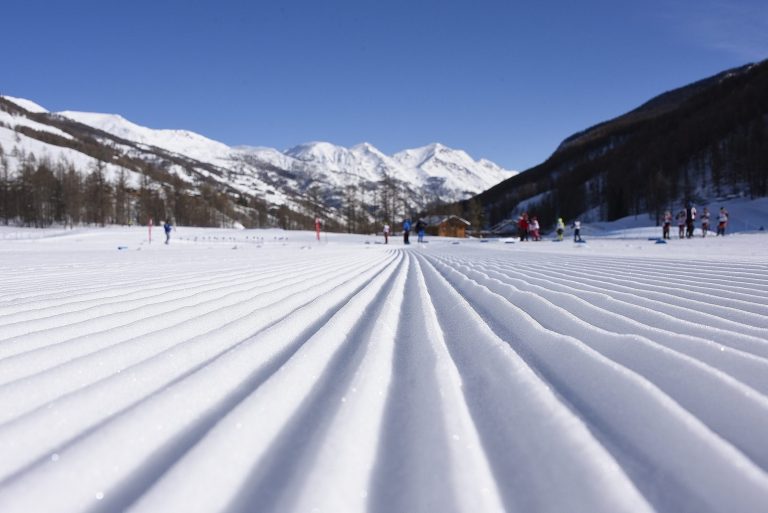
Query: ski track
(382, 379)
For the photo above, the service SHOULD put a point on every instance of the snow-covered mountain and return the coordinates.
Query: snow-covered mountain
(462, 176)
(275, 177)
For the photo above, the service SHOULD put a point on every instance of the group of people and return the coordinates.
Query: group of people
(686, 222)
(167, 227)
(407, 227)
(528, 228)
(420, 228)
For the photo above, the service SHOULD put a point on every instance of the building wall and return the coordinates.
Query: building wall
(448, 228)
(452, 230)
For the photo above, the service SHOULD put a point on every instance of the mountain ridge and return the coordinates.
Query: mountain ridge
(316, 178)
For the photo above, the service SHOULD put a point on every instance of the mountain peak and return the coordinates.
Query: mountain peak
(320, 151)
(365, 146)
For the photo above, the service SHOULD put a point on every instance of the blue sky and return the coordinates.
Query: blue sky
(503, 80)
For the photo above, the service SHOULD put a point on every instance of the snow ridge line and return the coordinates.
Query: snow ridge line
(529, 426)
(688, 320)
(745, 274)
(744, 366)
(445, 472)
(239, 371)
(122, 353)
(53, 289)
(757, 324)
(138, 319)
(700, 280)
(698, 466)
(738, 416)
(726, 306)
(131, 307)
(117, 294)
(263, 431)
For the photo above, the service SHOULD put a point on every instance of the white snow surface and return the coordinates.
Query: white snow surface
(262, 370)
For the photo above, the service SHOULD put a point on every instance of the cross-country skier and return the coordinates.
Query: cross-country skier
(167, 227)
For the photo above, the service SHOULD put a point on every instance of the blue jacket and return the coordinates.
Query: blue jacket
(407, 226)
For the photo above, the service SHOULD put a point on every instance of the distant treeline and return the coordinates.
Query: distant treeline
(41, 193)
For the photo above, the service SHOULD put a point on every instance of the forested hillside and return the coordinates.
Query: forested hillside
(699, 143)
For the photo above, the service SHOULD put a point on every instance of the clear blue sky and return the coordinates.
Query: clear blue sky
(503, 80)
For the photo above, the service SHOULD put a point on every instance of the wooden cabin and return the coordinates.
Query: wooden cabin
(447, 226)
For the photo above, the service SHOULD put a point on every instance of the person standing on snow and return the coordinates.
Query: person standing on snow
(386, 233)
(420, 226)
(534, 228)
(167, 227)
(577, 231)
(667, 224)
(560, 229)
(690, 218)
(704, 222)
(722, 221)
(681, 224)
(406, 231)
(522, 226)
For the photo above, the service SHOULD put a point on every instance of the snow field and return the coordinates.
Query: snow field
(346, 376)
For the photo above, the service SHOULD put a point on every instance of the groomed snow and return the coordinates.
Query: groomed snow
(239, 370)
